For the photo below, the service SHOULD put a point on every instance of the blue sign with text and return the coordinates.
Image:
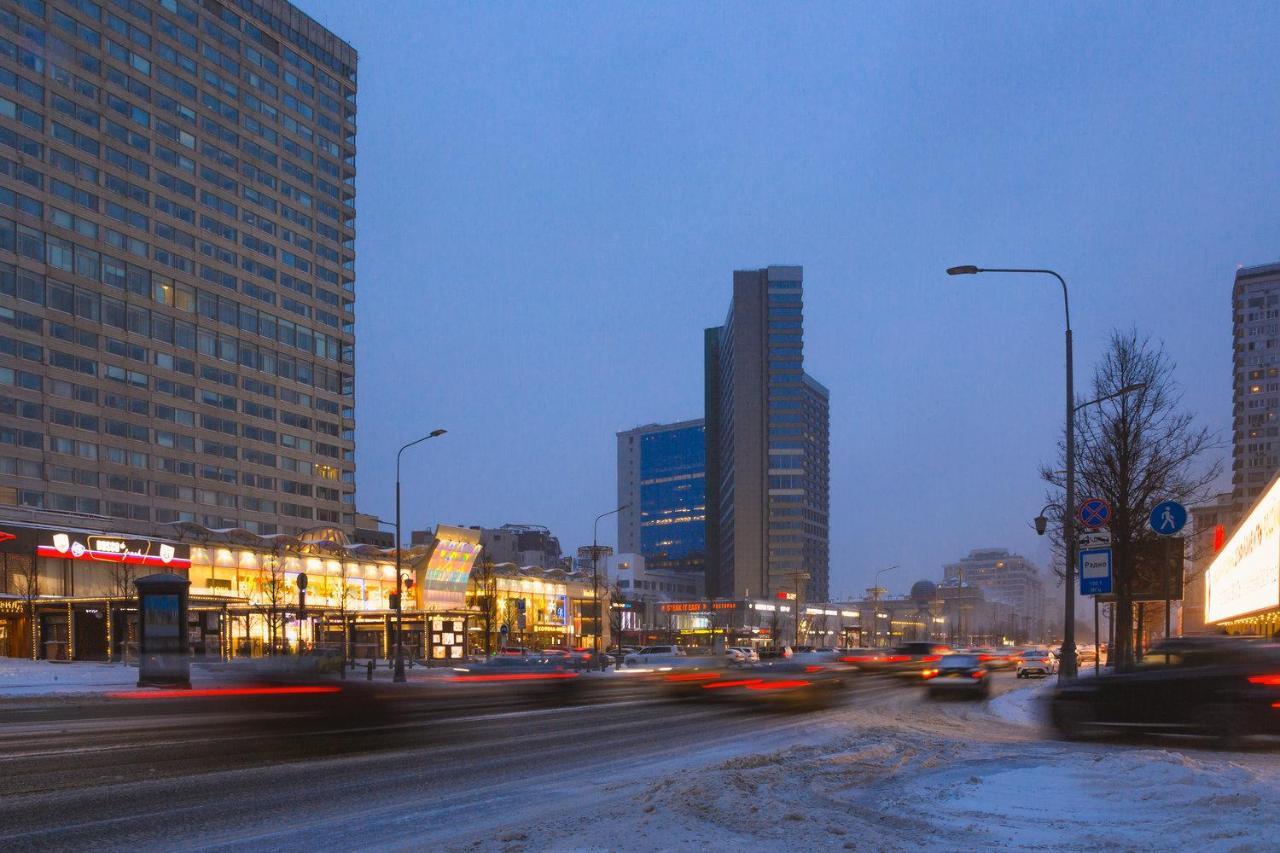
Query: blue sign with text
(1095, 571)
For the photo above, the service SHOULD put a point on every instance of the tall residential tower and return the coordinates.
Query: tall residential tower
(177, 254)
(767, 428)
(662, 484)
(1255, 433)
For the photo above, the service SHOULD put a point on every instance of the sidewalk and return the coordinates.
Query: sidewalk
(20, 677)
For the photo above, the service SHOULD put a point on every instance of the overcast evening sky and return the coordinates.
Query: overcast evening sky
(552, 199)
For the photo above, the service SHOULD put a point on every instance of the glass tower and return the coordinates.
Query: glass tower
(767, 445)
(662, 482)
(177, 288)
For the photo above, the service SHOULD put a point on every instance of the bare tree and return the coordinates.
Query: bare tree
(270, 602)
(123, 595)
(484, 597)
(1134, 450)
(25, 583)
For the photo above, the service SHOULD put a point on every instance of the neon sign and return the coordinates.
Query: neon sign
(114, 549)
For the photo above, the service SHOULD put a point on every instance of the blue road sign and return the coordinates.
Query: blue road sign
(1095, 571)
(1094, 512)
(1168, 518)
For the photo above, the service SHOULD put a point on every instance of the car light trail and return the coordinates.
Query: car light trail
(211, 692)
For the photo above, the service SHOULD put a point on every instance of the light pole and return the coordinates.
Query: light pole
(1068, 669)
(398, 675)
(595, 580)
(875, 614)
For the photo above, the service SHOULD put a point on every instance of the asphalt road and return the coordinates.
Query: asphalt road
(261, 772)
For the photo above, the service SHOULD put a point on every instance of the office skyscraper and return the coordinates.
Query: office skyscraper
(662, 482)
(176, 262)
(1255, 434)
(767, 424)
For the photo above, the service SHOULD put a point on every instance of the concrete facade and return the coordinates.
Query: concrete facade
(177, 288)
(1005, 578)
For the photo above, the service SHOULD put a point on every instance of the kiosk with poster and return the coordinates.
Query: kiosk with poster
(163, 657)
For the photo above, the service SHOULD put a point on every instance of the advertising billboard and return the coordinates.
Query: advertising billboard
(1245, 576)
(109, 548)
(444, 579)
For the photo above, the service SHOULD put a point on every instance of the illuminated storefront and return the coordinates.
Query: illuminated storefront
(1242, 585)
(540, 608)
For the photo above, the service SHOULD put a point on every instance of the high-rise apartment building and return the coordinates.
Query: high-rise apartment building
(1006, 578)
(767, 424)
(176, 262)
(662, 485)
(1255, 435)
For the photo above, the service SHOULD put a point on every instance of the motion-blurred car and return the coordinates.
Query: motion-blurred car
(861, 658)
(741, 654)
(1220, 687)
(993, 659)
(909, 659)
(525, 675)
(779, 683)
(653, 654)
(958, 675)
(586, 658)
(1037, 663)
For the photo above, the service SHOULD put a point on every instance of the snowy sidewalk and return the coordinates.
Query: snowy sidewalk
(41, 677)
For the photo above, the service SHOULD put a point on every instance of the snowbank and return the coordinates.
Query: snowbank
(1024, 704)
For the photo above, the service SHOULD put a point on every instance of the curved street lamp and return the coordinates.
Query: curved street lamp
(875, 614)
(398, 675)
(1068, 521)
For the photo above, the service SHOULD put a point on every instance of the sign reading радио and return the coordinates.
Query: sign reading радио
(1245, 577)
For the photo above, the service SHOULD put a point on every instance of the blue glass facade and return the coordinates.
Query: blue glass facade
(673, 499)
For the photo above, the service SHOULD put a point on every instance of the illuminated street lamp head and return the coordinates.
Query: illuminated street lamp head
(968, 269)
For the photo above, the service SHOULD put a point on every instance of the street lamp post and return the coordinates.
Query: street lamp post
(595, 580)
(875, 614)
(1068, 669)
(398, 675)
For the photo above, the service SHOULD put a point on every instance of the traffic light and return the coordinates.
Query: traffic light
(395, 601)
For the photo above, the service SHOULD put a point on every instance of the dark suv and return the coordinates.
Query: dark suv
(1222, 687)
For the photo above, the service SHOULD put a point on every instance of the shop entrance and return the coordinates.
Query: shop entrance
(53, 636)
(91, 633)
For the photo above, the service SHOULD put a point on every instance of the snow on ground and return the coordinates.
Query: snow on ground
(906, 774)
(1023, 707)
(19, 677)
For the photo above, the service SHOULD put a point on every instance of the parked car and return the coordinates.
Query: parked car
(958, 675)
(1220, 687)
(1037, 663)
(741, 654)
(652, 654)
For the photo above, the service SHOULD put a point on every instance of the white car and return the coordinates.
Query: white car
(741, 654)
(1037, 663)
(653, 654)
